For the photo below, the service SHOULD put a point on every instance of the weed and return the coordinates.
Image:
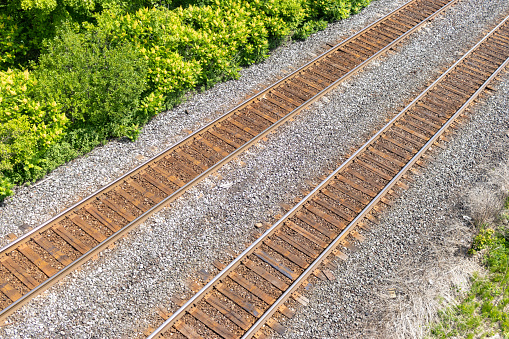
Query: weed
(484, 239)
(484, 204)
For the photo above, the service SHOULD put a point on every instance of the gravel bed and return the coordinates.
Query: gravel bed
(32, 205)
(118, 294)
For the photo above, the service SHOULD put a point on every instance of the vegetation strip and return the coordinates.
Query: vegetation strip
(482, 310)
(278, 262)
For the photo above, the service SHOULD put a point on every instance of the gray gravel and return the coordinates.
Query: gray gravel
(117, 295)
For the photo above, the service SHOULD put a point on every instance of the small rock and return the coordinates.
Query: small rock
(24, 227)
(226, 185)
(259, 224)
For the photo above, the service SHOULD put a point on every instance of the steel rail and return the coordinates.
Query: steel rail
(237, 261)
(119, 234)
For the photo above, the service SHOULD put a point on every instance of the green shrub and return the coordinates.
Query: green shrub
(25, 24)
(61, 152)
(329, 10)
(5, 188)
(28, 127)
(309, 28)
(10, 46)
(29, 22)
(281, 17)
(357, 5)
(96, 85)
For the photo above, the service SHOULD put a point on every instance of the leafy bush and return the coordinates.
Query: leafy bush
(281, 17)
(26, 23)
(309, 28)
(329, 10)
(10, 47)
(357, 5)
(28, 127)
(5, 188)
(195, 46)
(95, 84)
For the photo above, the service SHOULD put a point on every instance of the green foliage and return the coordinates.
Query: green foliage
(484, 239)
(5, 188)
(309, 28)
(498, 256)
(198, 46)
(28, 127)
(26, 23)
(96, 84)
(10, 47)
(329, 10)
(357, 5)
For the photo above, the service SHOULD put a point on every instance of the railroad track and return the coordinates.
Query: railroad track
(38, 259)
(250, 292)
